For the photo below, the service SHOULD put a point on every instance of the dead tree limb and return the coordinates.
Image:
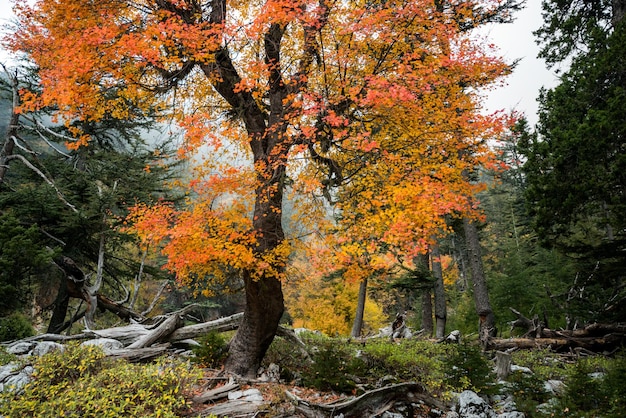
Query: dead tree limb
(371, 403)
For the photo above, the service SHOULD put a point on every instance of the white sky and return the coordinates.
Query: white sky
(515, 41)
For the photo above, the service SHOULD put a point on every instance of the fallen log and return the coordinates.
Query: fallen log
(193, 331)
(235, 408)
(216, 393)
(608, 342)
(136, 355)
(372, 403)
(162, 331)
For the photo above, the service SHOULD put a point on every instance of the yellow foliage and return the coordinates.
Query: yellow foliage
(317, 302)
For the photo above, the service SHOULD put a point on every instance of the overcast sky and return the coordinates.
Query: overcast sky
(515, 41)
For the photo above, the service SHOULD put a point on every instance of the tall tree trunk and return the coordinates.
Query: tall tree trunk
(422, 265)
(264, 295)
(360, 310)
(427, 312)
(9, 142)
(487, 326)
(439, 292)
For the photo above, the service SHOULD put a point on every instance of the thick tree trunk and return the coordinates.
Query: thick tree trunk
(440, 294)
(487, 324)
(264, 295)
(360, 310)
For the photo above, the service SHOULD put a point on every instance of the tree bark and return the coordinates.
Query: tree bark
(439, 292)
(360, 310)
(422, 262)
(427, 312)
(486, 318)
(9, 141)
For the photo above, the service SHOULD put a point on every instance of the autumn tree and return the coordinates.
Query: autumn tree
(282, 82)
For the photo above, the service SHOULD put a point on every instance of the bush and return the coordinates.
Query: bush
(529, 391)
(409, 360)
(212, 350)
(333, 364)
(467, 368)
(14, 327)
(81, 382)
(601, 395)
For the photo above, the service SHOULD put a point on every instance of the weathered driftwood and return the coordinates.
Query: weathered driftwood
(235, 408)
(126, 334)
(372, 403)
(193, 331)
(136, 355)
(162, 331)
(216, 393)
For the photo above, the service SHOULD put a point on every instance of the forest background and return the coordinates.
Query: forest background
(137, 222)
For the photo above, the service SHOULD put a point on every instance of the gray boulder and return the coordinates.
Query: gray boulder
(473, 406)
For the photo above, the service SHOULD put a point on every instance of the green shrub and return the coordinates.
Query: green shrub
(5, 357)
(291, 359)
(14, 327)
(467, 368)
(81, 382)
(528, 391)
(544, 363)
(409, 360)
(332, 367)
(614, 388)
(212, 350)
(587, 395)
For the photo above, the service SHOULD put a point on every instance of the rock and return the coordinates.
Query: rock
(554, 387)
(272, 374)
(516, 368)
(21, 348)
(512, 414)
(454, 337)
(8, 370)
(250, 395)
(16, 382)
(473, 406)
(506, 404)
(108, 345)
(45, 347)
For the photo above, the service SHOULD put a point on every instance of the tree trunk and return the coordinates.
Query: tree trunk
(9, 142)
(57, 321)
(264, 295)
(427, 312)
(439, 292)
(422, 263)
(360, 310)
(487, 326)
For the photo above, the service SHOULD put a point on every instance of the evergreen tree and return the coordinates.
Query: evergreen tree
(575, 163)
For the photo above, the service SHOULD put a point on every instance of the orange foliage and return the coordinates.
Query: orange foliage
(379, 98)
